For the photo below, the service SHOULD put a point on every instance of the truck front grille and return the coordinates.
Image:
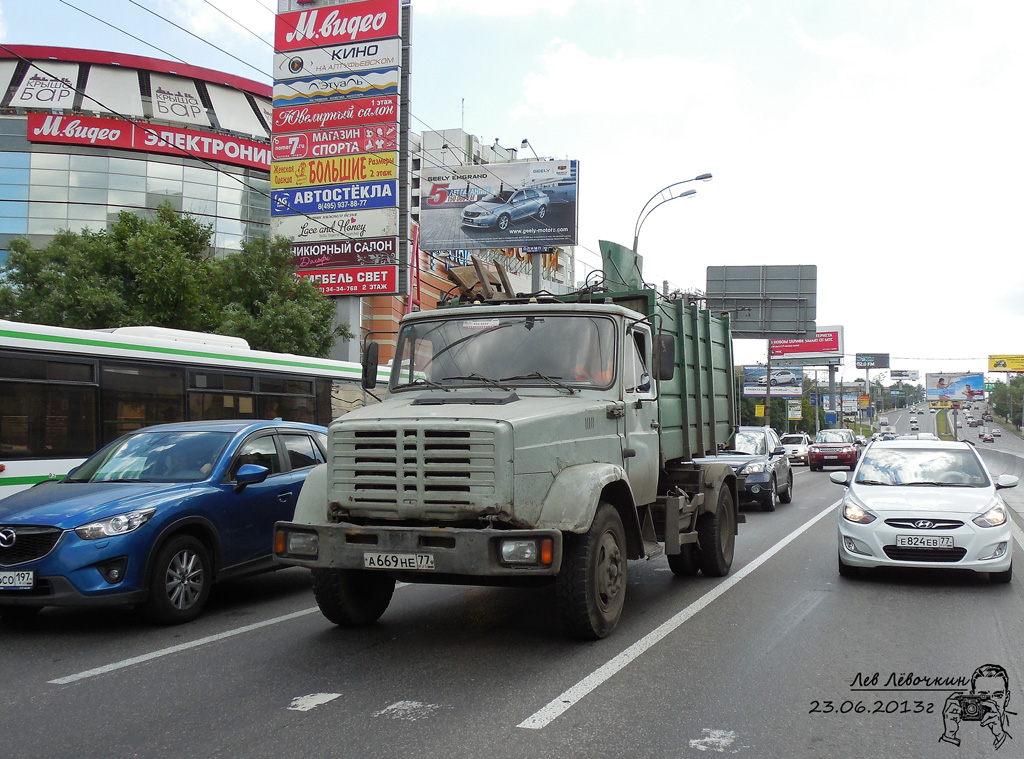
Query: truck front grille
(435, 470)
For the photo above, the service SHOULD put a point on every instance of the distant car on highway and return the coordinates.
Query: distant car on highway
(924, 504)
(500, 210)
(997, 432)
(761, 465)
(833, 448)
(988, 437)
(796, 445)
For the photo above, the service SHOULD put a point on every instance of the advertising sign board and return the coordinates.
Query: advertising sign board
(377, 194)
(329, 142)
(337, 60)
(126, 135)
(1006, 363)
(949, 386)
(498, 205)
(337, 170)
(872, 360)
(333, 87)
(827, 343)
(785, 383)
(350, 225)
(795, 409)
(302, 118)
(378, 251)
(338, 25)
(354, 280)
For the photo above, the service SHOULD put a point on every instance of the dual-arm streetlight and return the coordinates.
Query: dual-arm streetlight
(664, 195)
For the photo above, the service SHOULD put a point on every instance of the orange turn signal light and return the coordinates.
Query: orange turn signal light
(547, 551)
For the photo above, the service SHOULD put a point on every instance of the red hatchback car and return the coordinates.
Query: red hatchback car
(833, 448)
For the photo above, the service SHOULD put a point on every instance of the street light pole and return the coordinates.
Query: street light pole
(662, 198)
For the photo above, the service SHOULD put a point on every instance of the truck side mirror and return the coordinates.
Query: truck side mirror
(370, 353)
(666, 347)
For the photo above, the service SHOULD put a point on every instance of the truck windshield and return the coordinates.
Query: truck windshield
(539, 350)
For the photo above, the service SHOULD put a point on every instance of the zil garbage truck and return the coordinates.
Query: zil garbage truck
(534, 439)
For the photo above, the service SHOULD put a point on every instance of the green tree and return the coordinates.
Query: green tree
(161, 272)
(268, 306)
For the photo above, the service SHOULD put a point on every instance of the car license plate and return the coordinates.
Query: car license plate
(924, 541)
(406, 561)
(831, 457)
(24, 580)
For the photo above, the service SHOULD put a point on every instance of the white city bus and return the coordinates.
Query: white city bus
(66, 392)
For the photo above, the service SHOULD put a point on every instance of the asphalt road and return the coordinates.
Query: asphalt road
(776, 660)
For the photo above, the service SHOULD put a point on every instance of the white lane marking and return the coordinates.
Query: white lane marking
(714, 740)
(554, 709)
(175, 649)
(312, 701)
(407, 710)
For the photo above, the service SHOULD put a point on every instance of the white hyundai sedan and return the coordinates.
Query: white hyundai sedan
(924, 504)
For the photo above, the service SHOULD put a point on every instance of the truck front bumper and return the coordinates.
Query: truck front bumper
(422, 551)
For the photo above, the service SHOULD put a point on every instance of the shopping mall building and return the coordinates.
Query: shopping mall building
(72, 158)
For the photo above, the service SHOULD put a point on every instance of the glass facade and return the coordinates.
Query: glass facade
(43, 191)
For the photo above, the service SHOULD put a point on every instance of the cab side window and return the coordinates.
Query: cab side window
(261, 451)
(637, 377)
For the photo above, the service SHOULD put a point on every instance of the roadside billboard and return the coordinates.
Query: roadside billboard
(324, 143)
(825, 347)
(1006, 363)
(333, 87)
(354, 280)
(498, 205)
(337, 170)
(872, 360)
(905, 374)
(959, 386)
(785, 383)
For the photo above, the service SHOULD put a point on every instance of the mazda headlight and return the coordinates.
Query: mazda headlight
(992, 518)
(754, 467)
(854, 512)
(110, 527)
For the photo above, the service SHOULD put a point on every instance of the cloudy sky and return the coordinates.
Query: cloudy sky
(877, 139)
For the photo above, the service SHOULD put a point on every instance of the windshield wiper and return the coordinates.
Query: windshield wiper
(479, 378)
(940, 484)
(116, 479)
(537, 375)
(872, 482)
(425, 383)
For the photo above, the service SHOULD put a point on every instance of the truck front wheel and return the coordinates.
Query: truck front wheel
(717, 535)
(352, 597)
(591, 585)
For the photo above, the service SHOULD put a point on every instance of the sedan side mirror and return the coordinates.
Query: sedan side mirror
(249, 474)
(839, 478)
(779, 451)
(1006, 481)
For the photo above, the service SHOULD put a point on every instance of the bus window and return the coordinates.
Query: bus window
(137, 395)
(40, 420)
(289, 407)
(221, 406)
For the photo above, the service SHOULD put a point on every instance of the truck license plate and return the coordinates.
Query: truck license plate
(924, 541)
(24, 580)
(406, 561)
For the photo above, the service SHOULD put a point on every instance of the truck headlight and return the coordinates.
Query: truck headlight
(527, 551)
(117, 525)
(297, 543)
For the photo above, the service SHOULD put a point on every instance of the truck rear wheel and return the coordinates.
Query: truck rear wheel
(591, 585)
(352, 597)
(717, 535)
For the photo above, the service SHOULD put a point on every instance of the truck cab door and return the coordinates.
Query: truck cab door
(641, 444)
